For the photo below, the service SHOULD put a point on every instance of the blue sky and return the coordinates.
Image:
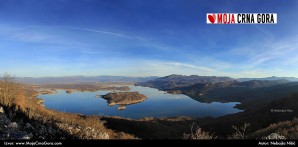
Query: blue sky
(40, 38)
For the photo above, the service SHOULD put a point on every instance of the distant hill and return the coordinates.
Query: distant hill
(174, 81)
(201, 83)
(292, 79)
(76, 79)
(261, 83)
(225, 89)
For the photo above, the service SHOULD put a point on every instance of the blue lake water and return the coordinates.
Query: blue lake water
(158, 104)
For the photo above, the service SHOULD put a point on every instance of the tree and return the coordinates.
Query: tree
(7, 89)
(240, 131)
(198, 134)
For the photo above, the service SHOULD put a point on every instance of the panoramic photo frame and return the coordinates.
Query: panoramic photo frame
(89, 72)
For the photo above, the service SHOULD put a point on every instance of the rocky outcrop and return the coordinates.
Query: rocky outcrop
(174, 92)
(12, 130)
(123, 98)
(1, 110)
(275, 136)
(121, 107)
(51, 91)
(68, 91)
(37, 130)
(87, 132)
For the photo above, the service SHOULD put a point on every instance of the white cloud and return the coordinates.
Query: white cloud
(33, 34)
(31, 37)
(275, 53)
(177, 64)
(163, 68)
(212, 63)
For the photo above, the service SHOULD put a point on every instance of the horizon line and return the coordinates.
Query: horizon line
(149, 76)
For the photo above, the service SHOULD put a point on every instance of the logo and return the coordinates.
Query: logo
(241, 18)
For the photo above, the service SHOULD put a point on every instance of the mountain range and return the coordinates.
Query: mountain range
(82, 79)
(292, 79)
(224, 89)
(174, 81)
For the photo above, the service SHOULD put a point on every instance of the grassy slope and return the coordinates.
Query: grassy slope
(28, 108)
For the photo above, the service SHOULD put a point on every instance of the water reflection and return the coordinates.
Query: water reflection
(158, 104)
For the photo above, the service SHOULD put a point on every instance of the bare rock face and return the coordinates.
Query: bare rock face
(13, 125)
(1, 110)
(69, 91)
(124, 98)
(275, 136)
(121, 107)
(12, 130)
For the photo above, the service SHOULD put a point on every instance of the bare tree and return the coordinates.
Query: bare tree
(240, 131)
(198, 134)
(7, 89)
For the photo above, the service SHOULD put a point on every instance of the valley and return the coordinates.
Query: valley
(268, 102)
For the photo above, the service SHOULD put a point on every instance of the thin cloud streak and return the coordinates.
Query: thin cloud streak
(115, 34)
(273, 53)
(189, 66)
(91, 52)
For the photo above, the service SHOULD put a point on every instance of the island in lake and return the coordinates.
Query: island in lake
(123, 98)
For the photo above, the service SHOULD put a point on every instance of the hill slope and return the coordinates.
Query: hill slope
(174, 81)
(224, 89)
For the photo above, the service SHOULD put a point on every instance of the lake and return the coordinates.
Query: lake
(158, 104)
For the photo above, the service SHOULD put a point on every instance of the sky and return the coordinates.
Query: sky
(46, 38)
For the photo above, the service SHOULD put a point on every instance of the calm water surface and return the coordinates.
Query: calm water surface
(158, 104)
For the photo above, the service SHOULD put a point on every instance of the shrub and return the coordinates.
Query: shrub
(240, 131)
(198, 134)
